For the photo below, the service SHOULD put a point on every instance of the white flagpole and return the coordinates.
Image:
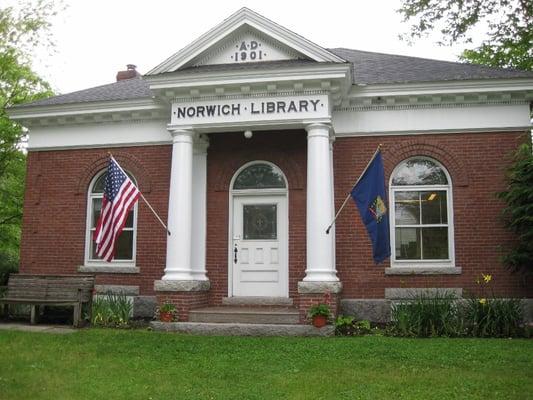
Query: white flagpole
(142, 196)
(350, 192)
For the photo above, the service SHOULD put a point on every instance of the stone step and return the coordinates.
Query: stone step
(257, 301)
(235, 329)
(246, 315)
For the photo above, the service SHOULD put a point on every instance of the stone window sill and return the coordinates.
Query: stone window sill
(109, 269)
(415, 270)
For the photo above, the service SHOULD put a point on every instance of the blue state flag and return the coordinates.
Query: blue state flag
(371, 200)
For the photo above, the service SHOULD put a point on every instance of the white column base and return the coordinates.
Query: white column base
(320, 275)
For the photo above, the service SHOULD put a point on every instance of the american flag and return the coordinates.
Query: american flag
(120, 195)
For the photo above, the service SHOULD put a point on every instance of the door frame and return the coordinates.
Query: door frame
(256, 193)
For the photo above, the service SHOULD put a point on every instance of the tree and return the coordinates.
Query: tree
(22, 31)
(508, 24)
(518, 212)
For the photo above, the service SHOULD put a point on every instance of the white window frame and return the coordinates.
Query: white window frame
(450, 262)
(88, 230)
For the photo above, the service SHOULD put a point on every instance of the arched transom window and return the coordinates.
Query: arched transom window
(260, 176)
(125, 250)
(421, 213)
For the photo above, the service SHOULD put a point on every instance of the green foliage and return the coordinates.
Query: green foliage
(111, 310)
(22, 31)
(167, 307)
(494, 317)
(8, 265)
(319, 309)
(349, 326)
(518, 212)
(509, 35)
(427, 315)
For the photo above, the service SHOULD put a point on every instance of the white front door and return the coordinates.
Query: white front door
(259, 247)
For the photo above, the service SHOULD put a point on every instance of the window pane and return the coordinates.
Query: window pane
(260, 176)
(408, 243)
(434, 207)
(129, 220)
(97, 207)
(124, 250)
(419, 171)
(260, 221)
(435, 243)
(124, 247)
(98, 186)
(407, 208)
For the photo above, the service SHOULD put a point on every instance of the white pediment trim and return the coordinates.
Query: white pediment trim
(245, 17)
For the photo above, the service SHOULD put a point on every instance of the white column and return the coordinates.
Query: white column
(320, 257)
(332, 230)
(199, 218)
(178, 265)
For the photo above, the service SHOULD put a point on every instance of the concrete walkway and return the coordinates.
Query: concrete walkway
(18, 326)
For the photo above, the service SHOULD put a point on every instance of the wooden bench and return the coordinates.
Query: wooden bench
(50, 290)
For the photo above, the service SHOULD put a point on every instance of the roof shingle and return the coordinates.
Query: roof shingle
(367, 67)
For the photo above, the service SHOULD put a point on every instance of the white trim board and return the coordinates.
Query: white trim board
(424, 120)
(99, 135)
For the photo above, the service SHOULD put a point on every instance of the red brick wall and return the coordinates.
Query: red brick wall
(476, 163)
(53, 238)
(226, 154)
(184, 302)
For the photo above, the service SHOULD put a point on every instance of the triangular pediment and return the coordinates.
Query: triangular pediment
(245, 37)
(244, 45)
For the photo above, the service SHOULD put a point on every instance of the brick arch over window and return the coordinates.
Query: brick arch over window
(392, 156)
(290, 168)
(127, 161)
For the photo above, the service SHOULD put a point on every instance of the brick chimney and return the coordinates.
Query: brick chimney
(130, 72)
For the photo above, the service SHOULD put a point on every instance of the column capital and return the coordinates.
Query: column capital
(181, 135)
(318, 129)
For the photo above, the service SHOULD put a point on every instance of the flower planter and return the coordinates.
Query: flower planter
(319, 321)
(165, 316)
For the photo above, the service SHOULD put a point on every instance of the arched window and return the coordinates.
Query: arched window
(125, 250)
(260, 176)
(421, 213)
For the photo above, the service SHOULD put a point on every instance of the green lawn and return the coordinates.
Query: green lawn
(115, 364)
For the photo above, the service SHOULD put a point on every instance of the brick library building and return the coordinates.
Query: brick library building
(246, 143)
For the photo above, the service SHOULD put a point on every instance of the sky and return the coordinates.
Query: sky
(95, 39)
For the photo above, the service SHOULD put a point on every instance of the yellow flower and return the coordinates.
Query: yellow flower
(482, 301)
(487, 278)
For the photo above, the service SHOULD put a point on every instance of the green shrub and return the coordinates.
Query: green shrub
(427, 315)
(489, 316)
(8, 265)
(112, 310)
(348, 326)
(494, 317)
(518, 211)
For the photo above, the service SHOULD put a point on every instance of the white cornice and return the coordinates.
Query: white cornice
(435, 88)
(101, 107)
(244, 16)
(211, 78)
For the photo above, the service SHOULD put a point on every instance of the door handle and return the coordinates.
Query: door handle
(235, 251)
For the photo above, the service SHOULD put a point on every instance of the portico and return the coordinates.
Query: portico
(209, 98)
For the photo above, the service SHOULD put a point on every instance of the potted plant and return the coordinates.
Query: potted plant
(319, 314)
(166, 312)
